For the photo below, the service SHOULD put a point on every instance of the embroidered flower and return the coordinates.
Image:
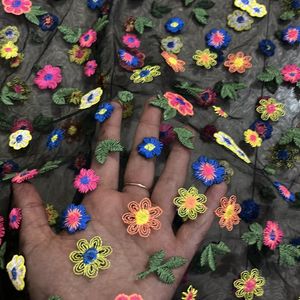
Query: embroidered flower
(174, 25)
(272, 235)
(190, 203)
(205, 58)
(218, 39)
(131, 60)
(250, 210)
(8, 50)
(228, 212)
(208, 171)
(257, 10)
(16, 271)
(267, 47)
(270, 109)
(55, 138)
(238, 62)
(190, 294)
(15, 218)
(129, 24)
(207, 133)
(172, 44)
(86, 181)
(229, 172)
(127, 110)
(150, 147)
(145, 74)
(51, 213)
(239, 20)
(21, 124)
(206, 98)
(291, 35)
(88, 38)
(142, 217)
(8, 166)
(131, 40)
(79, 55)
(2, 229)
(91, 257)
(244, 4)
(220, 112)
(17, 7)
(252, 138)
(9, 34)
(129, 297)
(263, 128)
(48, 77)
(91, 98)
(16, 61)
(20, 139)
(284, 192)
(178, 102)
(72, 130)
(172, 60)
(249, 285)
(166, 134)
(104, 112)
(291, 73)
(95, 4)
(284, 156)
(24, 176)
(48, 22)
(90, 68)
(75, 218)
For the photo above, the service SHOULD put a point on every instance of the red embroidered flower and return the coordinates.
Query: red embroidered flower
(88, 38)
(272, 235)
(15, 218)
(2, 229)
(86, 181)
(22, 124)
(291, 73)
(24, 176)
(178, 102)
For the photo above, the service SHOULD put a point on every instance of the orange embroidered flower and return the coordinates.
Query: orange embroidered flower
(172, 60)
(220, 112)
(228, 212)
(178, 102)
(142, 217)
(238, 62)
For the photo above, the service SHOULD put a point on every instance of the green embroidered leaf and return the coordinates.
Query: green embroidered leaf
(141, 23)
(188, 88)
(9, 176)
(287, 137)
(162, 102)
(125, 96)
(287, 15)
(201, 15)
(229, 89)
(185, 137)
(165, 275)
(42, 123)
(2, 253)
(187, 2)
(69, 35)
(269, 74)
(101, 23)
(156, 259)
(206, 4)
(49, 166)
(158, 11)
(175, 262)
(254, 236)
(59, 97)
(298, 84)
(106, 146)
(4, 97)
(169, 113)
(265, 76)
(288, 255)
(34, 12)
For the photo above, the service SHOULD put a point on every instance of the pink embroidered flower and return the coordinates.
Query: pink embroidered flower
(15, 218)
(129, 297)
(272, 235)
(131, 41)
(88, 38)
(21, 124)
(179, 103)
(90, 68)
(291, 73)
(24, 175)
(2, 229)
(86, 180)
(17, 7)
(48, 77)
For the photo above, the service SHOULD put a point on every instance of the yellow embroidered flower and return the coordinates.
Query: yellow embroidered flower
(9, 50)
(16, 271)
(190, 203)
(205, 58)
(190, 294)
(145, 74)
(9, 33)
(220, 112)
(249, 285)
(239, 20)
(79, 55)
(90, 257)
(269, 108)
(252, 138)
(20, 139)
(91, 98)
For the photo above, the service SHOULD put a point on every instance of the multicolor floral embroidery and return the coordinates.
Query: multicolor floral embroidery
(272, 235)
(238, 62)
(91, 257)
(15, 218)
(228, 212)
(145, 74)
(249, 285)
(263, 128)
(8, 50)
(24, 176)
(129, 297)
(252, 138)
(142, 217)
(239, 20)
(190, 203)
(86, 180)
(174, 25)
(17, 7)
(2, 229)
(90, 68)
(190, 294)
(291, 35)
(150, 147)
(131, 60)
(79, 55)
(205, 58)
(91, 98)
(20, 139)
(88, 38)
(220, 112)
(218, 39)
(16, 271)
(48, 77)
(269, 108)
(178, 102)
(55, 138)
(48, 22)
(172, 44)
(291, 73)
(286, 194)
(172, 60)
(131, 41)
(104, 112)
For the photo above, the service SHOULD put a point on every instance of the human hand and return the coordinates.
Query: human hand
(49, 270)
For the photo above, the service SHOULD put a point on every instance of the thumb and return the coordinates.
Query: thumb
(34, 227)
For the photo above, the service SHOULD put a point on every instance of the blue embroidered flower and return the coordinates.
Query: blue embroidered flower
(48, 22)
(209, 171)
(94, 4)
(150, 147)
(174, 25)
(75, 218)
(295, 4)
(284, 192)
(250, 210)
(55, 138)
(291, 35)
(267, 47)
(263, 128)
(218, 39)
(104, 112)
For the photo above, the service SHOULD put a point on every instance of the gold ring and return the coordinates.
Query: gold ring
(137, 184)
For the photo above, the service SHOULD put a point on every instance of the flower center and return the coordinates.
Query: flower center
(19, 138)
(272, 235)
(250, 285)
(218, 38)
(18, 89)
(285, 191)
(253, 138)
(239, 62)
(172, 61)
(14, 273)
(130, 40)
(229, 211)
(13, 218)
(208, 171)
(72, 130)
(205, 57)
(102, 111)
(48, 77)
(271, 108)
(246, 2)
(90, 98)
(142, 217)
(8, 49)
(73, 218)
(283, 154)
(293, 34)
(180, 101)
(149, 146)
(54, 138)
(190, 202)
(16, 3)
(86, 37)
(170, 44)
(174, 24)
(240, 19)
(90, 255)
(84, 180)
(144, 73)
